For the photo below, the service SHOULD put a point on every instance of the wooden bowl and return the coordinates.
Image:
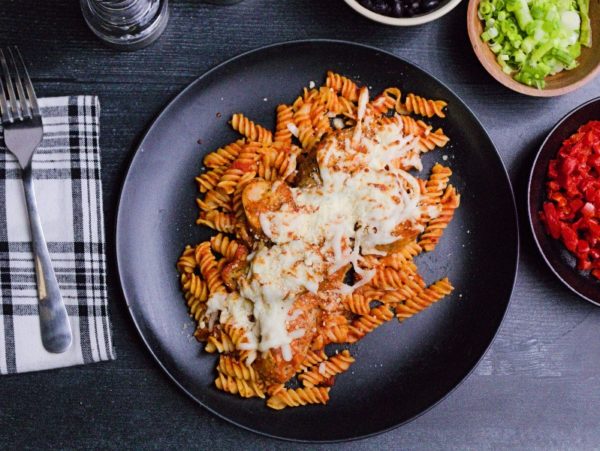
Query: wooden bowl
(556, 85)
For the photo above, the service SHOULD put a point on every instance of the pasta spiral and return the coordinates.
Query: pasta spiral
(423, 107)
(209, 180)
(424, 299)
(208, 268)
(224, 245)
(224, 155)
(414, 127)
(319, 374)
(437, 183)
(434, 139)
(237, 335)
(187, 261)
(235, 386)
(342, 85)
(312, 358)
(223, 222)
(285, 116)
(357, 303)
(399, 259)
(214, 200)
(435, 228)
(389, 279)
(250, 130)
(234, 368)
(367, 323)
(389, 99)
(219, 342)
(298, 397)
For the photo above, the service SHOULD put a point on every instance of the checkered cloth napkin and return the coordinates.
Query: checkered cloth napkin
(69, 194)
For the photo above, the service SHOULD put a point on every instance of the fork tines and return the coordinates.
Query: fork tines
(20, 104)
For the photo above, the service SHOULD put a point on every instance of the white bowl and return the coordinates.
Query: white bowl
(404, 21)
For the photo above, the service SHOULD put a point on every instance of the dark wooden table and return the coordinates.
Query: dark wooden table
(539, 384)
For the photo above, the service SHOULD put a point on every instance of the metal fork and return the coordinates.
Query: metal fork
(23, 133)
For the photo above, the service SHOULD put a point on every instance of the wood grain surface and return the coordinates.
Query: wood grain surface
(537, 387)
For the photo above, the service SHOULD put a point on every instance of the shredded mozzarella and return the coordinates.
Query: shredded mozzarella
(322, 368)
(293, 129)
(366, 199)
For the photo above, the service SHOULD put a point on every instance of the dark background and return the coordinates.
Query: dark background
(539, 384)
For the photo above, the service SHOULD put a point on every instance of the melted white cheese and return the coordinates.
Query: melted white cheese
(365, 195)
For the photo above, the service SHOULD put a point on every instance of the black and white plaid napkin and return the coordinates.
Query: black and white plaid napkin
(69, 194)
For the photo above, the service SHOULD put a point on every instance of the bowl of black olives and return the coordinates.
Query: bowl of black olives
(402, 13)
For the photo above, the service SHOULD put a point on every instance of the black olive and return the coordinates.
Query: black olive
(405, 4)
(381, 7)
(400, 8)
(397, 8)
(428, 5)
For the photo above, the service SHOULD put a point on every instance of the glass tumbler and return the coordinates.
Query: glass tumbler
(126, 24)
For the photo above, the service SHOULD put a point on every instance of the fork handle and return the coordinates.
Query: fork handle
(54, 322)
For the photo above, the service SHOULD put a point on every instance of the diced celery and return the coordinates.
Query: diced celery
(575, 50)
(521, 10)
(489, 34)
(585, 34)
(539, 35)
(570, 20)
(519, 56)
(563, 56)
(541, 50)
(535, 38)
(495, 47)
(528, 44)
(486, 9)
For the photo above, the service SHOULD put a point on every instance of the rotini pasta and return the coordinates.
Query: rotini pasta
(234, 368)
(312, 358)
(285, 115)
(424, 299)
(250, 130)
(223, 156)
(323, 372)
(298, 397)
(357, 303)
(244, 388)
(367, 323)
(318, 224)
(423, 107)
(449, 202)
(342, 85)
(219, 342)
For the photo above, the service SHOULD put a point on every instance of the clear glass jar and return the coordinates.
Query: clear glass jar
(126, 24)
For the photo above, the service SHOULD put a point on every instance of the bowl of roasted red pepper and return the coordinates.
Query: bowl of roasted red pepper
(564, 200)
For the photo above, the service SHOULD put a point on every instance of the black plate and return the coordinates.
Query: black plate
(556, 255)
(401, 370)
